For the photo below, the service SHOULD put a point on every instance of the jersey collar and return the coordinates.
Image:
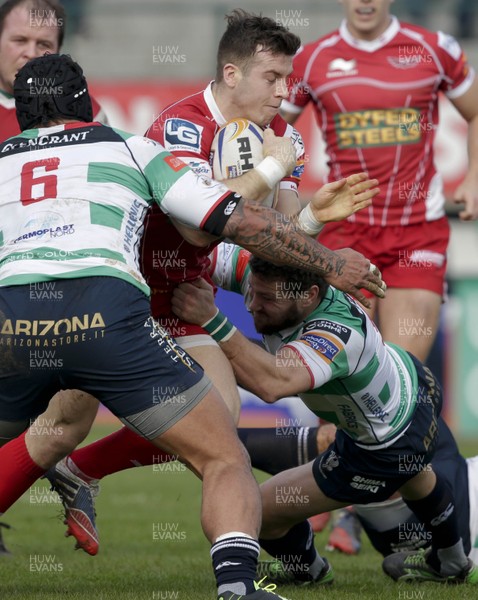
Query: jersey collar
(213, 107)
(370, 45)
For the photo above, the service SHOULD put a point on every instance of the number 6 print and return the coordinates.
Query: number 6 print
(29, 180)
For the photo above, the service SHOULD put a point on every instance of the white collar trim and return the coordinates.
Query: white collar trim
(370, 45)
(212, 105)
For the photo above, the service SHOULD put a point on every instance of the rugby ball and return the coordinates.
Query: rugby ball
(236, 149)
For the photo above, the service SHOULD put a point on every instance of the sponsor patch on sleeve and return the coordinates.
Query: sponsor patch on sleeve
(324, 346)
(200, 167)
(339, 330)
(180, 134)
(174, 162)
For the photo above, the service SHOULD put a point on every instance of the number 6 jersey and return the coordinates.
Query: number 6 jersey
(73, 199)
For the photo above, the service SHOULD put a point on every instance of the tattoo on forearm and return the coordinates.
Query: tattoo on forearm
(275, 238)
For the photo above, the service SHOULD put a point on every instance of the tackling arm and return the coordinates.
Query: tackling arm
(274, 238)
(268, 376)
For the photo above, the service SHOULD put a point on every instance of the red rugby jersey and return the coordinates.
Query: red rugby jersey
(376, 103)
(187, 129)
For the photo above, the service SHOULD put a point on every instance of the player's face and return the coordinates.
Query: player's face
(262, 87)
(367, 19)
(24, 36)
(273, 305)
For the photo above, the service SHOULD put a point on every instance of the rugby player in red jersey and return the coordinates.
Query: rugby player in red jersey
(374, 84)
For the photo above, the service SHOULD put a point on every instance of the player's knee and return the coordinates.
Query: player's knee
(231, 456)
(72, 407)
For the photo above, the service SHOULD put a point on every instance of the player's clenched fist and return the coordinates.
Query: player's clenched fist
(353, 272)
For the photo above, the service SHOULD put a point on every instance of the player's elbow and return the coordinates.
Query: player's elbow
(275, 388)
(270, 395)
(266, 389)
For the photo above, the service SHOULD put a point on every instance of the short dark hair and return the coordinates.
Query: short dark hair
(302, 280)
(50, 5)
(246, 33)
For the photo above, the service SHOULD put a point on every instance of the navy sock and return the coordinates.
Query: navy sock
(296, 552)
(437, 511)
(276, 449)
(408, 536)
(234, 561)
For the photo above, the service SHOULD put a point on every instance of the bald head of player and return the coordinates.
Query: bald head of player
(254, 59)
(28, 28)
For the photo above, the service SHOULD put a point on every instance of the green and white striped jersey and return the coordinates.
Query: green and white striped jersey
(364, 386)
(73, 200)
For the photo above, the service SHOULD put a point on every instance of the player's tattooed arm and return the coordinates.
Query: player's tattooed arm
(275, 238)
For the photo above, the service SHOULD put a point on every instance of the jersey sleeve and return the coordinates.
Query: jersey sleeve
(325, 348)
(229, 268)
(172, 184)
(458, 75)
(299, 95)
(189, 137)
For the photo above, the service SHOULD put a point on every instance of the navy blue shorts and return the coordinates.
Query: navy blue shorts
(348, 473)
(94, 334)
(404, 531)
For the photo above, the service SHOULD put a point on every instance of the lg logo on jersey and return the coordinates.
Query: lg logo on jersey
(182, 135)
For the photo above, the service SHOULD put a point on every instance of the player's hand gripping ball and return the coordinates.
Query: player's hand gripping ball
(236, 149)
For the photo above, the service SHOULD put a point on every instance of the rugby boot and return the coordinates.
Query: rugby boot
(413, 566)
(77, 497)
(345, 534)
